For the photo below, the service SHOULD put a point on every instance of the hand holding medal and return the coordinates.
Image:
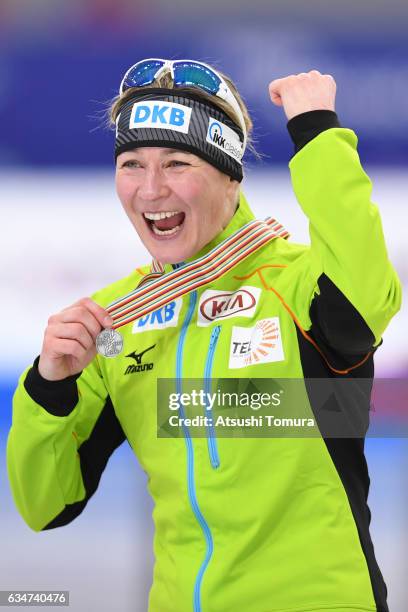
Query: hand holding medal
(69, 339)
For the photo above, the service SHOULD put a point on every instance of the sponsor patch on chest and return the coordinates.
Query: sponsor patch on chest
(166, 316)
(261, 343)
(218, 304)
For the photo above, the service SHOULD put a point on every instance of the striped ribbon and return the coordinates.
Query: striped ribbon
(165, 287)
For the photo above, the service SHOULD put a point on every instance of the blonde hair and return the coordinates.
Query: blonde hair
(165, 80)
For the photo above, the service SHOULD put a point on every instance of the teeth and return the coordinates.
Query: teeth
(160, 215)
(164, 232)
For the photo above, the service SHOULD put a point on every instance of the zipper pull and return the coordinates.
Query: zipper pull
(214, 335)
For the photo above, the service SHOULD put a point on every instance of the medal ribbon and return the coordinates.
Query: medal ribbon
(165, 287)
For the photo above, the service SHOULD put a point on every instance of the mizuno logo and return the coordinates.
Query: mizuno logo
(138, 356)
(140, 367)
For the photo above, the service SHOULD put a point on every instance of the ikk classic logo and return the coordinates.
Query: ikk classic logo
(167, 115)
(218, 304)
(222, 137)
(259, 344)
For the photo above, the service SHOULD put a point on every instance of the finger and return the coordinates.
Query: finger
(66, 346)
(274, 92)
(73, 331)
(80, 314)
(275, 86)
(99, 312)
(276, 100)
(330, 77)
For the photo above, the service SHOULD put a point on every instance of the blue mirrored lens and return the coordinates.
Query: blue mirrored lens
(190, 73)
(142, 74)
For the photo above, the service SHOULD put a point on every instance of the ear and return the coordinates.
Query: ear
(234, 194)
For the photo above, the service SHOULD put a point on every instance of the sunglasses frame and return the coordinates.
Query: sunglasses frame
(224, 92)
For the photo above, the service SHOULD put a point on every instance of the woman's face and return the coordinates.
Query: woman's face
(152, 180)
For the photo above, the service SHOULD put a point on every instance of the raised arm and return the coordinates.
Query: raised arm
(357, 290)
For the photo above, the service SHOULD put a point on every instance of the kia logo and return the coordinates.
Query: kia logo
(225, 304)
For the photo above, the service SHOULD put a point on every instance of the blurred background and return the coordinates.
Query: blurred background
(65, 234)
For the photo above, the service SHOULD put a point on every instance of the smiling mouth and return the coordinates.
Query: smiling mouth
(164, 224)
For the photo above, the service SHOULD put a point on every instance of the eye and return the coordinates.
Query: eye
(130, 163)
(177, 161)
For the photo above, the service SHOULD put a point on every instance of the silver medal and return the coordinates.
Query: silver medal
(109, 343)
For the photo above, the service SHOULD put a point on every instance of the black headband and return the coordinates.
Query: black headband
(164, 118)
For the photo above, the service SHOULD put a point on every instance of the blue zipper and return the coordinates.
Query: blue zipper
(190, 458)
(212, 440)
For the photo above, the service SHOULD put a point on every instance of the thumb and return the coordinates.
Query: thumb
(274, 92)
(276, 99)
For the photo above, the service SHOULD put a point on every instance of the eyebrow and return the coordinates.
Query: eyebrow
(176, 151)
(168, 151)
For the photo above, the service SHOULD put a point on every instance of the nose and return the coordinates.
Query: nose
(153, 185)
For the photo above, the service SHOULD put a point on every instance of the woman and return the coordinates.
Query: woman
(252, 524)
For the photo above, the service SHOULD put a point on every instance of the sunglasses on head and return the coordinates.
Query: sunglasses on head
(185, 73)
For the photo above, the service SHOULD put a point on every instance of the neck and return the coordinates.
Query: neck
(242, 215)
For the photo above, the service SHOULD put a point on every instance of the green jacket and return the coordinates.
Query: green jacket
(251, 524)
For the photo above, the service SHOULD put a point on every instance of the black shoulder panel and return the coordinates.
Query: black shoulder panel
(337, 323)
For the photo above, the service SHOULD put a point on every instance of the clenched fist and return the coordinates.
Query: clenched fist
(304, 92)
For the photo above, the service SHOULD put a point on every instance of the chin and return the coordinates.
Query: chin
(167, 254)
(167, 250)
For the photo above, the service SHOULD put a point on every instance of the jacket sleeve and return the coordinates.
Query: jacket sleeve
(355, 289)
(61, 437)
